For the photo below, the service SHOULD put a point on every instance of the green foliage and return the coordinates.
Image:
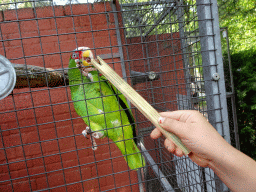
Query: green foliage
(244, 74)
(239, 16)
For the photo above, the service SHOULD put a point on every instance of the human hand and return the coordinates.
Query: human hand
(205, 143)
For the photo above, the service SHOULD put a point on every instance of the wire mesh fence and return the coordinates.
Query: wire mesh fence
(169, 51)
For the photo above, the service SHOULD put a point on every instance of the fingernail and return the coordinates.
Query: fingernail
(161, 120)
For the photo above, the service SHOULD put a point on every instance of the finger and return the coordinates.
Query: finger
(184, 115)
(178, 152)
(155, 134)
(169, 145)
(178, 128)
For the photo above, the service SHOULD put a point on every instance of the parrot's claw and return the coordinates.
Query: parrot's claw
(95, 135)
(90, 77)
(86, 131)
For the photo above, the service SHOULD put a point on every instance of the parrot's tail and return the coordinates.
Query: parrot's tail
(131, 153)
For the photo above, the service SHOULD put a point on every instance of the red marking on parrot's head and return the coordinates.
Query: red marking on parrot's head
(76, 55)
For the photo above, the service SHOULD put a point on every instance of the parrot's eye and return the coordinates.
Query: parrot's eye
(74, 55)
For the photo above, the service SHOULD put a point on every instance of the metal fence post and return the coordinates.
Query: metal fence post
(209, 32)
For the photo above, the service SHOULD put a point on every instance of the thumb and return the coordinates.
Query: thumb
(172, 125)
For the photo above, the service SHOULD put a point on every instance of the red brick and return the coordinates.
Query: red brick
(76, 9)
(49, 39)
(65, 30)
(65, 131)
(86, 157)
(91, 185)
(25, 114)
(54, 62)
(69, 159)
(8, 117)
(53, 159)
(45, 113)
(10, 15)
(41, 183)
(67, 144)
(86, 172)
(42, 12)
(72, 175)
(101, 7)
(3, 168)
(6, 187)
(83, 21)
(75, 187)
(30, 137)
(31, 41)
(4, 176)
(50, 147)
(37, 61)
(17, 166)
(32, 150)
(46, 24)
(128, 189)
(12, 140)
(56, 179)
(36, 170)
(35, 47)
(41, 98)
(47, 132)
(61, 109)
(22, 100)
(22, 184)
(28, 26)
(14, 52)
(25, 13)
(65, 22)
(14, 43)
(59, 95)
(9, 28)
(50, 47)
(68, 45)
(27, 122)
(99, 19)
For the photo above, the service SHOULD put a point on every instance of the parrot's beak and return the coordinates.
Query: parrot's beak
(86, 59)
(86, 62)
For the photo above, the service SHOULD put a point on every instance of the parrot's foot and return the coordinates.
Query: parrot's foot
(95, 135)
(86, 73)
(86, 131)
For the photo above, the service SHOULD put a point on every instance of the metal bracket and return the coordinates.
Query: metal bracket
(140, 77)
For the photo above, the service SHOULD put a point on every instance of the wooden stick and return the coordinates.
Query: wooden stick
(138, 101)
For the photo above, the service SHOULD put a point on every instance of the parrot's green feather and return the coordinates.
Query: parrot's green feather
(124, 104)
(102, 109)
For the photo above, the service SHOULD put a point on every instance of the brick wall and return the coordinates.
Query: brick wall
(41, 143)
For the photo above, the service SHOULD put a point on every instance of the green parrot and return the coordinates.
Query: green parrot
(103, 108)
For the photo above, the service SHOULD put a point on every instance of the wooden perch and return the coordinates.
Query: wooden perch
(34, 76)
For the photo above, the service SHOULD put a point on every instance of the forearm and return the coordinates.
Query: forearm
(235, 169)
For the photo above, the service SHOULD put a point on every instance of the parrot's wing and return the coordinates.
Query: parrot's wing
(124, 104)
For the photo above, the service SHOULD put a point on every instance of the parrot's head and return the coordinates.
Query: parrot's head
(83, 55)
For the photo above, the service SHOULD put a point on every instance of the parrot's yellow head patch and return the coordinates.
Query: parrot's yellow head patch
(86, 58)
